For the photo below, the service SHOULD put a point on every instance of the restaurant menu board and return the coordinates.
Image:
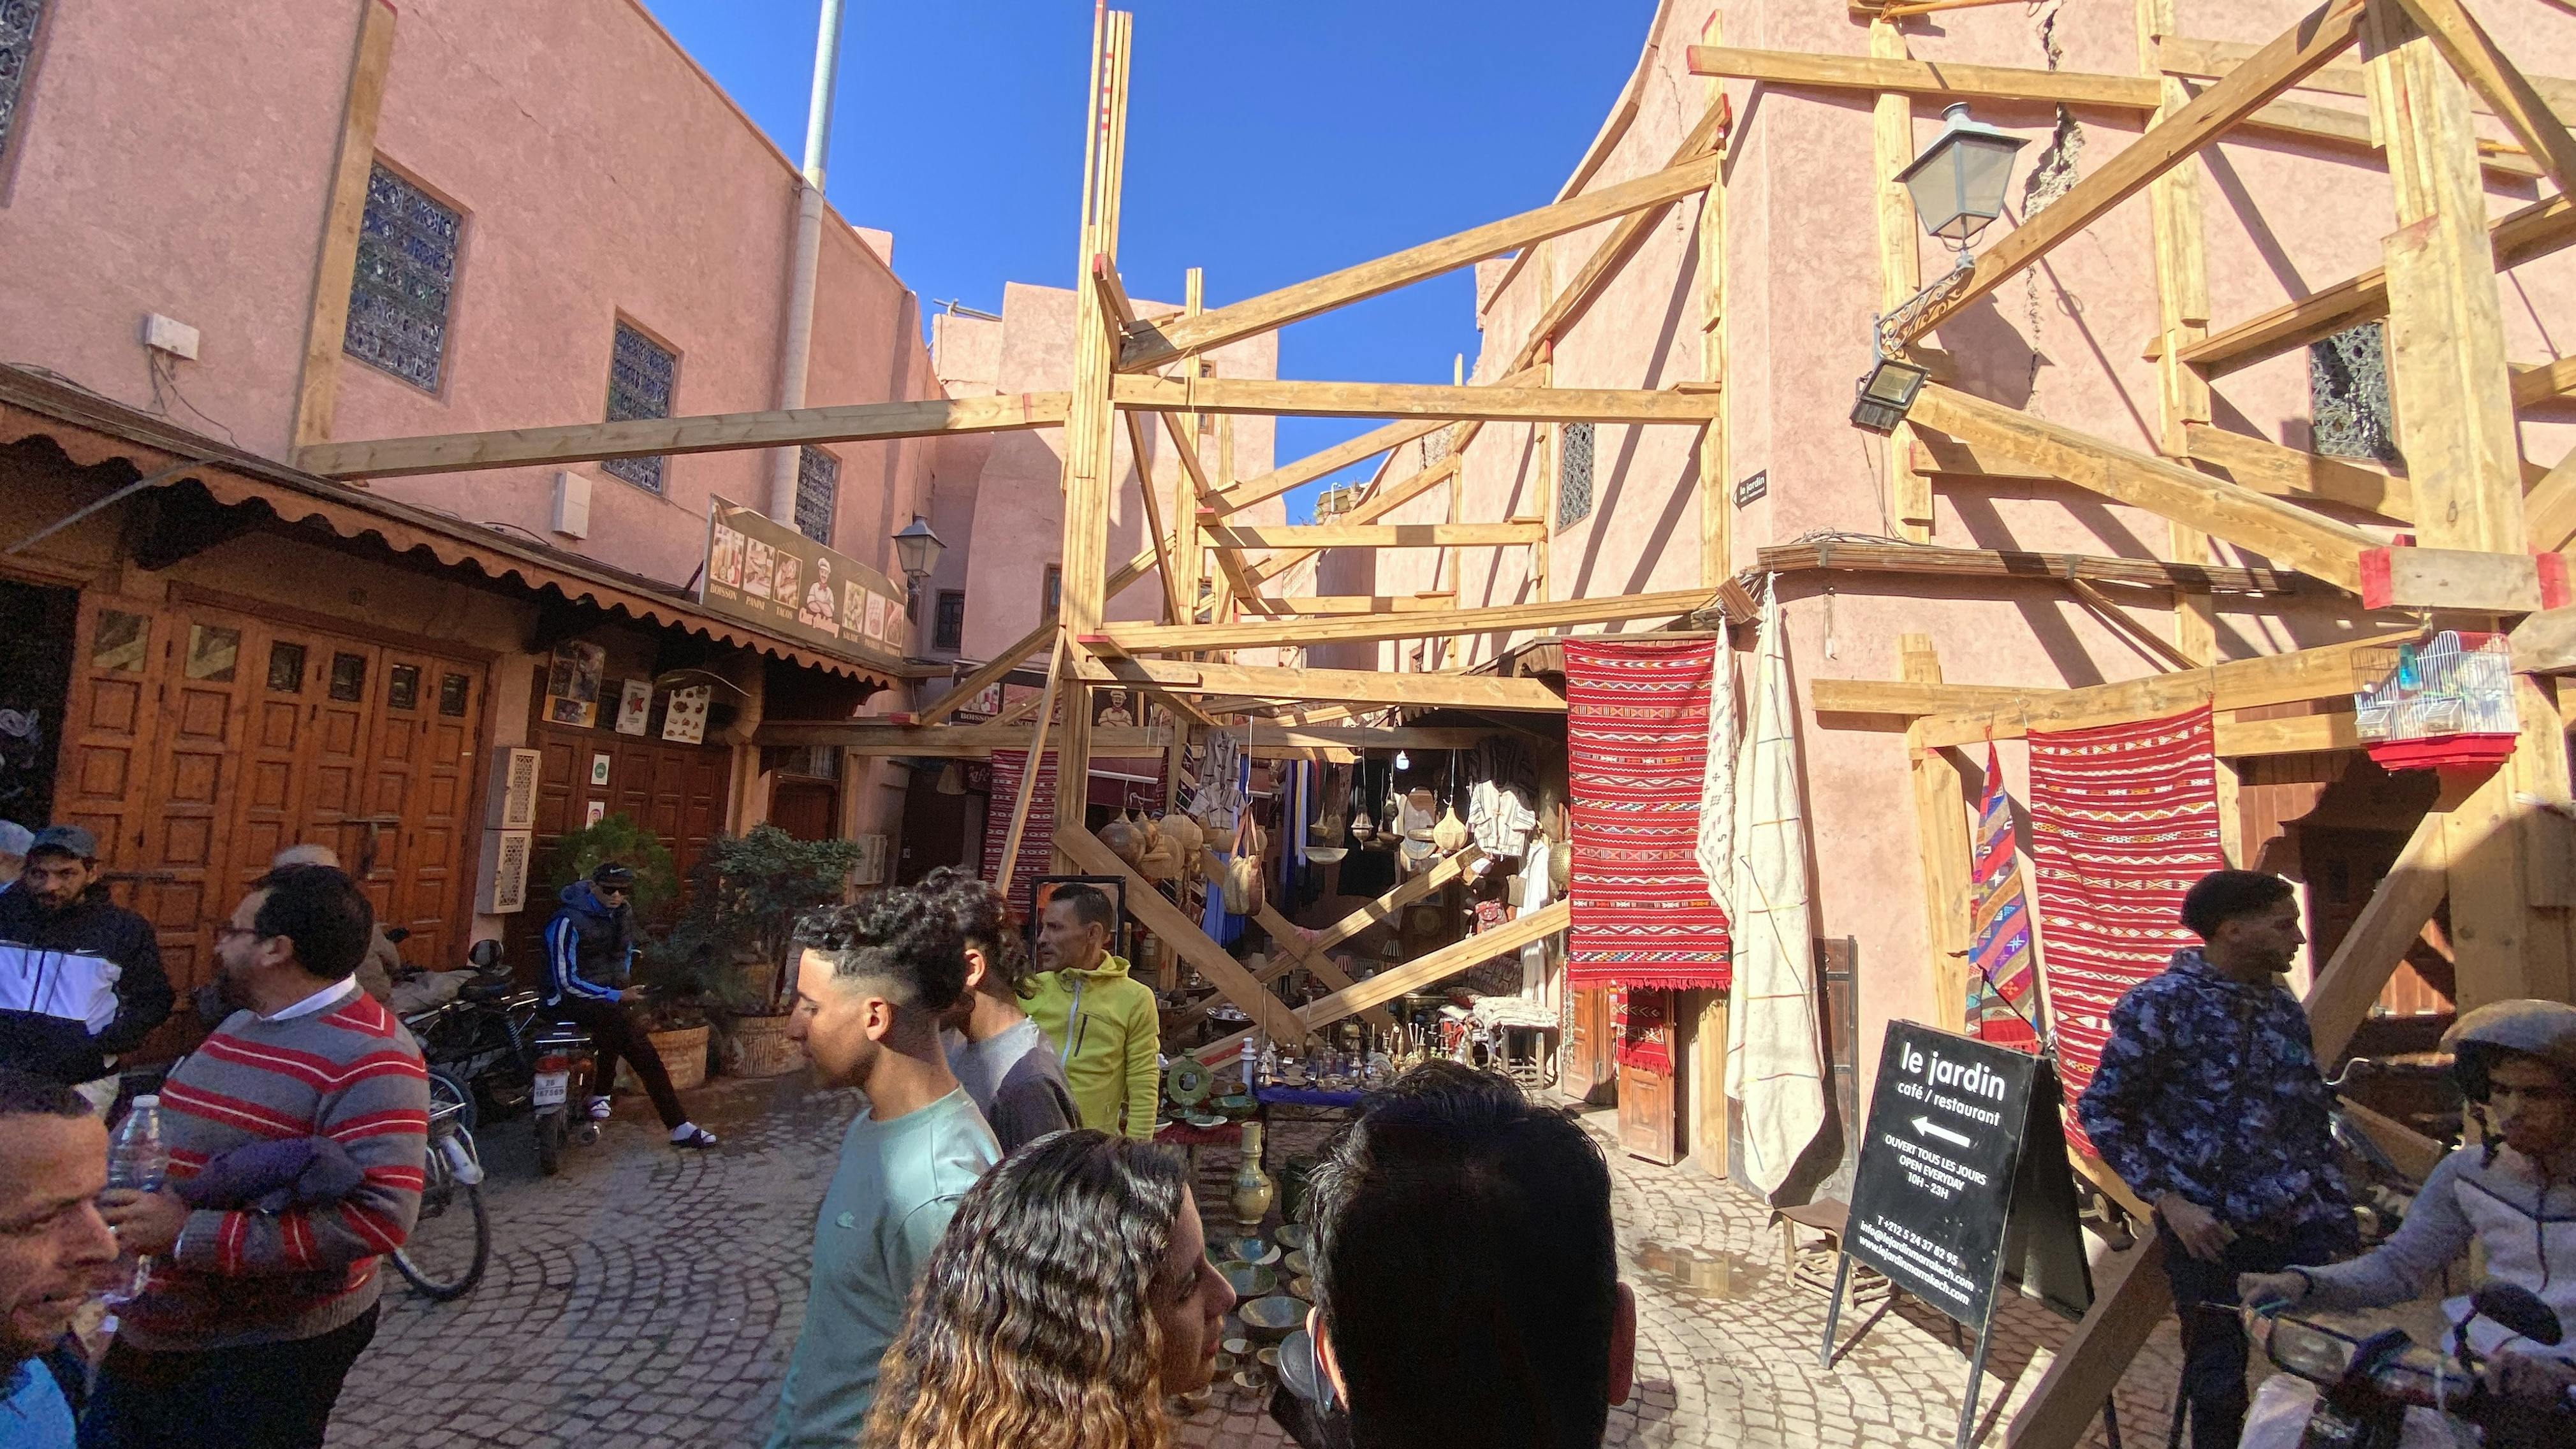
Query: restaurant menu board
(777, 578)
(1964, 1181)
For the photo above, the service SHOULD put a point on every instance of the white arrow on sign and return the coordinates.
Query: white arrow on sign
(1931, 1128)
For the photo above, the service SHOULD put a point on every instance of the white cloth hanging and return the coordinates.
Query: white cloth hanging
(1774, 1062)
(1500, 819)
(1716, 846)
(1535, 888)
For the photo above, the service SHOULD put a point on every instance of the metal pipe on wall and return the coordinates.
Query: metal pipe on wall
(797, 343)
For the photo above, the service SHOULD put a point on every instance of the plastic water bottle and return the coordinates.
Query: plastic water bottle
(137, 1158)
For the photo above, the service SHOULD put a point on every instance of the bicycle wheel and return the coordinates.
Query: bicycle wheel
(451, 1241)
(450, 1091)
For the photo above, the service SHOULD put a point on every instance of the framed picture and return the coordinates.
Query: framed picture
(597, 812)
(599, 769)
(684, 717)
(634, 706)
(573, 683)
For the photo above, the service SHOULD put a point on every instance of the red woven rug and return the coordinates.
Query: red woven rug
(1642, 1024)
(2123, 818)
(1035, 849)
(1637, 750)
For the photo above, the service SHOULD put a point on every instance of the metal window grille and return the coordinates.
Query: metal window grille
(1574, 474)
(818, 490)
(2348, 396)
(1051, 592)
(406, 275)
(640, 374)
(19, 22)
(948, 626)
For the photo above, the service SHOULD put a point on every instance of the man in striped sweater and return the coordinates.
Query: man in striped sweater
(251, 1319)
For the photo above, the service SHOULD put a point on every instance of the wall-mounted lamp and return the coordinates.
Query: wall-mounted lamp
(917, 550)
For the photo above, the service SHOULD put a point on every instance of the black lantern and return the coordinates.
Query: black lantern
(917, 549)
(1958, 182)
(1885, 394)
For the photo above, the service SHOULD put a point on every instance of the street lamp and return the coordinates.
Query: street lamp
(917, 549)
(1957, 185)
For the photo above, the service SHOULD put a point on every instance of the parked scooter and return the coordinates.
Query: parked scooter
(2366, 1384)
(504, 1053)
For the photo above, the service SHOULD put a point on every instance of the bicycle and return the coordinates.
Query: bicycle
(451, 1241)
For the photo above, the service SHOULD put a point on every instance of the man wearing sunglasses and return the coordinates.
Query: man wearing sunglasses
(590, 948)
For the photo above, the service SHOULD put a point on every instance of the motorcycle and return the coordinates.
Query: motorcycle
(2366, 1382)
(500, 1051)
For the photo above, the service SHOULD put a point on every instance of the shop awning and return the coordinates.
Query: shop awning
(91, 430)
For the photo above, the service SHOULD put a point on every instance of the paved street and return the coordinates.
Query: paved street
(649, 1298)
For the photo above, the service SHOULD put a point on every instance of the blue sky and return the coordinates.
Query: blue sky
(1266, 142)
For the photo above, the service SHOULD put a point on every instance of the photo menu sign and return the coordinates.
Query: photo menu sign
(772, 576)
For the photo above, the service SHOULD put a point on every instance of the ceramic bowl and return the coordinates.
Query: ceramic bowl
(1293, 1235)
(1298, 1265)
(1239, 1346)
(1248, 1250)
(1237, 1105)
(1303, 1288)
(1250, 1280)
(1274, 1317)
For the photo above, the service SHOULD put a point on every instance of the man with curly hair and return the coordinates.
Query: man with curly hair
(994, 1046)
(870, 988)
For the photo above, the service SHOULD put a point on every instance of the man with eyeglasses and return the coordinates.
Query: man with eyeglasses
(590, 948)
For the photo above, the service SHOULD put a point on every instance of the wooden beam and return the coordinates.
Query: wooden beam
(2340, 999)
(1183, 935)
(1397, 535)
(2268, 467)
(2545, 642)
(2325, 672)
(1283, 934)
(2451, 579)
(2168, 654)
(1114, 306)
(1912, 698)
(1029, 774)
(2183, 55)
(2535, 230)
(1386, 502)
(1407, 399)
(707, 433)
(1589, 280)
(2543, 382)
(1316, 465)
(2328, 550)
(2319, 37)
(2298, 734)
(1941, 843)
(1201, 490)
(2088, 1366)
(317, 388)
(1900, 264)
(1315, 606)
(1421, 691)
(944, 741)
(1891, 558)
(1174, 611)
(1273, 310)
(2549, 509)
(2465, 44)
(1716, 503)
(1150, 639)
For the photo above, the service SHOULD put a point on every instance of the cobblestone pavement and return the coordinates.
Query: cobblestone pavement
(649, 1298)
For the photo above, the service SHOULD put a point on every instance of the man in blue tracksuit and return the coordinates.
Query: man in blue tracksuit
(590, 947)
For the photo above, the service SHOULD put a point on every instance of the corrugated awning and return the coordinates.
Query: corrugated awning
(92, 430)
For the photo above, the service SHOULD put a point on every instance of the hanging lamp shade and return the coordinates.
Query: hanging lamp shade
(1958, 182)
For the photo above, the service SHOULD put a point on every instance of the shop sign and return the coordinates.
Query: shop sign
(1964, 1185)
(782, 581)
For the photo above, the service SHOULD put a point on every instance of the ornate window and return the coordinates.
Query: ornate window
(19, 22)
(1051, 591)
(406, 274)
(948, 625)
(818, 488)
(640, 374)
(1573, 474)
(2348, 396)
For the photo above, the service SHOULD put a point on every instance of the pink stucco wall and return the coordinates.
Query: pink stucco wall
(184, 168)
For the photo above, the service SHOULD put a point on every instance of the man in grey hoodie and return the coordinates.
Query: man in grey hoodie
(1005, 1063)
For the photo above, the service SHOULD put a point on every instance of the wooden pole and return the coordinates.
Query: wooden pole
(1029, 774)
(317, 390)
(1941, 839)
(1900, 272)
(2182, 310)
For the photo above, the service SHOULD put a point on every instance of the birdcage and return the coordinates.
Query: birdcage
(2440, 703)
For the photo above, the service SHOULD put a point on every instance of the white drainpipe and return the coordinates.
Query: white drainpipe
(798, 342)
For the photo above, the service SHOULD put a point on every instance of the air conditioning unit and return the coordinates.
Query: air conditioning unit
(513, 791)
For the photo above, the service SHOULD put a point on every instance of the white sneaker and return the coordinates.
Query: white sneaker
(599, 1109)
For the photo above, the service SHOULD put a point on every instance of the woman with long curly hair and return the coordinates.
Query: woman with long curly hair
(1069, 1296)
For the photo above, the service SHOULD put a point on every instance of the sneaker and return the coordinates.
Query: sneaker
(599, 1109)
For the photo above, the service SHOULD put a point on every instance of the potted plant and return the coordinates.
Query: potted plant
(676, 1016)
(735, 941)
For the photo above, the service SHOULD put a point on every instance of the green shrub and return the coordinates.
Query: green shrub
(618, 838)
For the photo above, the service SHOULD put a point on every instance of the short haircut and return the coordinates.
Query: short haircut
(983, 917)
(2223, 895)
(1090, 905)
(900, 940)
(322, 912)
(24, 1095)
(1463, 1237)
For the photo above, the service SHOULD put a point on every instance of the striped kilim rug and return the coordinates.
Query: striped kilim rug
(2123, 818)
(1035, 851)
(1637, 750)
(2003, 984)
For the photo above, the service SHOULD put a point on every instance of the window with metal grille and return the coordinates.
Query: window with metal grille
(2348, 396)
(818, 489)
(19, 22)
(405, 276)
(1573, 474)
(948, 625)
(640, 374)
(1051, 592)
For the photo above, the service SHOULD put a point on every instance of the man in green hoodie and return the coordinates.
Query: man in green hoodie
(1106, 1031)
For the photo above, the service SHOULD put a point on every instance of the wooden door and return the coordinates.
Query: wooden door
(189, 848)
(110, 721)
(431, 710)
(1650, 1115)
(804, 808)
(1589, 1073)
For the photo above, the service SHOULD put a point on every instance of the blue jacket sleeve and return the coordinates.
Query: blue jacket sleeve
(563, 974)
(2115, 1103)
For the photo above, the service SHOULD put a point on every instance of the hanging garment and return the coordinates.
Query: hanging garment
(2123, 818)
(1536, 890)
(1636, 724)
(2006, 1011)
(1500, 818)
(1774, 1063)
(1715, 848)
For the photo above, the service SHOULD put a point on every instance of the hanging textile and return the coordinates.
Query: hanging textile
(1642, 1024)
(1715, 848)
(1035, 837)
(1774, 1061)
(2004, 1012)
(1536, 890)
(2123, 818)
(1636, 735)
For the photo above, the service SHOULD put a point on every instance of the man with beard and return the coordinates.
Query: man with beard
(80, 976)
(53, 1246)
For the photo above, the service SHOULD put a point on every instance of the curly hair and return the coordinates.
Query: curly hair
(983, 917)
(1033, 1326)
(897, 935)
